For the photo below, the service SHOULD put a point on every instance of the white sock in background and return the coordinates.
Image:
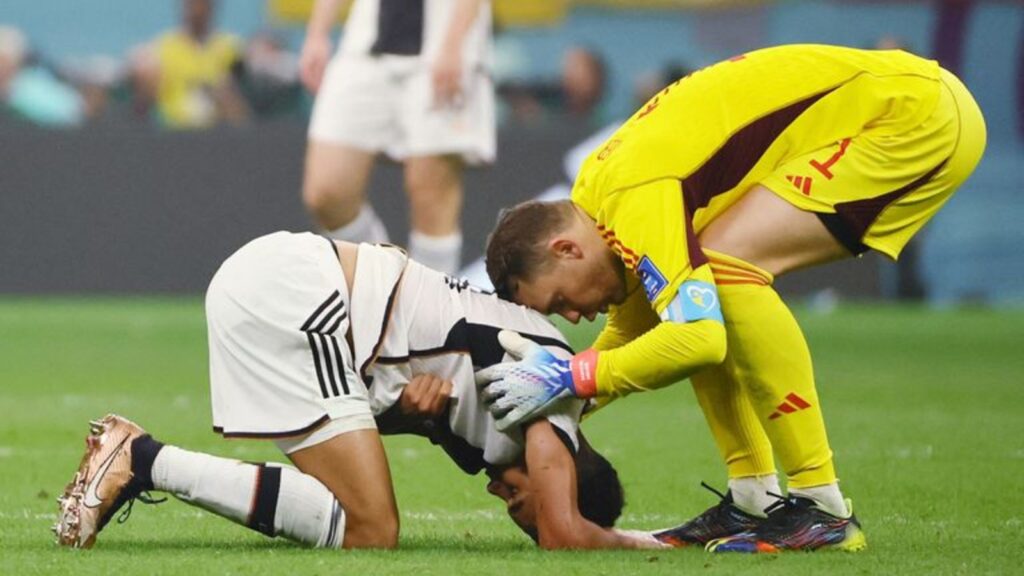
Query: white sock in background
(750, 493)
(828, 497)
(273, 499)
(367, 227)
(442, 253)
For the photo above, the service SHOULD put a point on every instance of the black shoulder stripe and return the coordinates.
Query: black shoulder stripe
(341, 366)
(309, 321)
(339, 307)
(337, 322)
(315, 349)
(330, 365)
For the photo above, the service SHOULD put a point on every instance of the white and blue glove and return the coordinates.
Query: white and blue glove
(521, 391)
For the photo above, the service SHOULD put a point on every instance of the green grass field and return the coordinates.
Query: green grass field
(925, 412)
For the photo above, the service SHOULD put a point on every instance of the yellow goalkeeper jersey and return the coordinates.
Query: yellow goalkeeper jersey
(697, 146)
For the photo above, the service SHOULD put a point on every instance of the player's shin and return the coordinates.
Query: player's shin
(273, 499)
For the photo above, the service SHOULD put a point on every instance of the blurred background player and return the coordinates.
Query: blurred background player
(32, 91)
(410, 78)
(584, 83)
(187, 73)
(575, 99)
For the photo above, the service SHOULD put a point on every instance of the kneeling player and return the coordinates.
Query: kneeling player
(295, 338)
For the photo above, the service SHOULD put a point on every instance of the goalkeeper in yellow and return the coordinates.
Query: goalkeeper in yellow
(771, 161)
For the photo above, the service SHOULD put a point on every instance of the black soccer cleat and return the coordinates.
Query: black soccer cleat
(721, 520)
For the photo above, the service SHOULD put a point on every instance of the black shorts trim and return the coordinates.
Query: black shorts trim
(853, 219)
(300, 432)
(842, 233)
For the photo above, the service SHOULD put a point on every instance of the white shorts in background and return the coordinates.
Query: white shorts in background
(385, 104)
(277, 312)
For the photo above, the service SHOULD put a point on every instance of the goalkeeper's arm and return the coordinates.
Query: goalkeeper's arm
(668, 353)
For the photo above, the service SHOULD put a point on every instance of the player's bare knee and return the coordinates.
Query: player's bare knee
(422, 192)
(332, 205)
(429, 179)
(317, 194)
(381, 532)
(435, 201)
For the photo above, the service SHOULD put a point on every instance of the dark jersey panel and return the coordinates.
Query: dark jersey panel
(399, 27)
(467, 457)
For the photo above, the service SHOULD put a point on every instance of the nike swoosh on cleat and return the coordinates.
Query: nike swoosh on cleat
(91, 499)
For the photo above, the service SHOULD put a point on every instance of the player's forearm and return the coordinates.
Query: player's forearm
(324, 13)
(553, 481)
(463, 17)
(668, 353)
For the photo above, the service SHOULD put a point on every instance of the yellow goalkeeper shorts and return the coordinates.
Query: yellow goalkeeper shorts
(879, 187)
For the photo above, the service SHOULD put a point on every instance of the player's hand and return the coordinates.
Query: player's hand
(316, 53)
(446, 77)
(521, 391)
(426, 396)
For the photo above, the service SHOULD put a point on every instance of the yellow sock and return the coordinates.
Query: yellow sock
(769, 360)
(734, 425)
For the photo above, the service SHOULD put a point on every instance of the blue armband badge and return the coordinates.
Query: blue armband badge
(696, 300)
(652, 278)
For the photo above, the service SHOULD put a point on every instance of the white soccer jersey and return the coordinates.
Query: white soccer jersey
(412, 28)
(443, 327)
(291, 348)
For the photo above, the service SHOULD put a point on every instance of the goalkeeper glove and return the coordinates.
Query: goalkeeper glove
(523, 390)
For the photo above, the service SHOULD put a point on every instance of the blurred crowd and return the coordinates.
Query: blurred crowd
(578, 94)
(191, 76)
(196, 76)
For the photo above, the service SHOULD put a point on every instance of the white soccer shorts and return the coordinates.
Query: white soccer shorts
(385, 104)
(277, 312)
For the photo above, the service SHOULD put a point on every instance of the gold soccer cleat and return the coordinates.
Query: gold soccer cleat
(102, 484)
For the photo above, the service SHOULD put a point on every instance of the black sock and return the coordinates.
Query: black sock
(144, 451)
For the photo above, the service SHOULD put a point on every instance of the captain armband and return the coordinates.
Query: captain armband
(695, 300)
